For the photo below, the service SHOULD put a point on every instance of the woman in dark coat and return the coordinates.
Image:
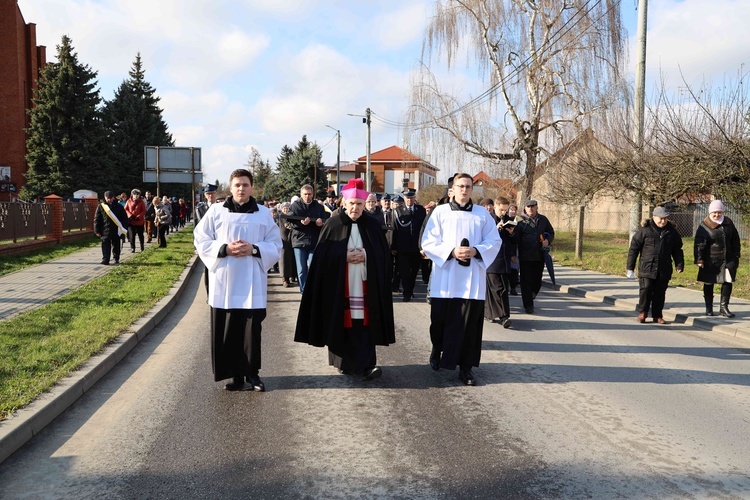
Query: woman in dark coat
(658, 244)
(347, 303)
(717, 254)
(287, 266)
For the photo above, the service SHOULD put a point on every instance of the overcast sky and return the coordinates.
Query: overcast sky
(236, 74)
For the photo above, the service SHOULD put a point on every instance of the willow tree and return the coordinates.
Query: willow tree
(544, 64)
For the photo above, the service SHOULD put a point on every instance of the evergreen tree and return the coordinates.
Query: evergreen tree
(66, 137)
(300, 166)
(262, 174)
(134, 120)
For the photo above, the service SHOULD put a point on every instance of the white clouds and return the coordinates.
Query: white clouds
(705, 39)
(401, 27)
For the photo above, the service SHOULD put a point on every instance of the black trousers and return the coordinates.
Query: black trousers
(235, 342)
(531, 281)
(409, 263)
(651, 294)
(134, 231)
(456, 328)
(496, 303)
(111, 246)
(162, 234)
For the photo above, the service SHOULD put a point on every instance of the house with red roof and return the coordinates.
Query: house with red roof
(395, 169)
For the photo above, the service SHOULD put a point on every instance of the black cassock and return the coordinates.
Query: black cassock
(320, 321)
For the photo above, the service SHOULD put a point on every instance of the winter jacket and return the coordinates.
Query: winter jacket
(136, 210)
(657, 250)
(718, 248)
(306, 236)
(530, 234)
(104, 225)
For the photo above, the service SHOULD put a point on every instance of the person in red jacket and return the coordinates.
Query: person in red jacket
(135, 208)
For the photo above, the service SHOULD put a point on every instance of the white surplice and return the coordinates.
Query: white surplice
(444, 231)
(237, 282)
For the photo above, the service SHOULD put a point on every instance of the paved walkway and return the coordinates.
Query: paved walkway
(682, 305)
(35, 286)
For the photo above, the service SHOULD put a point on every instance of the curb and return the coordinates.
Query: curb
(670, 315)
(29, 421)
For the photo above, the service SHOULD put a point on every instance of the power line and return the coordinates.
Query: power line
(487, 93)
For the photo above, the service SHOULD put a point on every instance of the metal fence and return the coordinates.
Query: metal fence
(77, 216)
(686, 220)
(22, 221)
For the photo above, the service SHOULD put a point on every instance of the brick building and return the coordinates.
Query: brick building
(21, 62)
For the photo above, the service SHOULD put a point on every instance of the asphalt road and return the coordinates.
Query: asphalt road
(575, 401)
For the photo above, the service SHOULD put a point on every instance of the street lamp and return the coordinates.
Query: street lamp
(338, 159)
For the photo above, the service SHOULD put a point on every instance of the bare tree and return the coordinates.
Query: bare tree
(545, 63)
(697, 143)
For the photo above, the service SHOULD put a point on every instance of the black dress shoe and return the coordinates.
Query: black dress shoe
(255, 383)
(373, 373)
(435, 359)
(237, 384)
(505, 322)
(467, 377)
(529, 310)
(104, 263)
(407, 298)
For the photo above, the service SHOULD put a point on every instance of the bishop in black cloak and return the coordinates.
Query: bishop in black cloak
(347, 302)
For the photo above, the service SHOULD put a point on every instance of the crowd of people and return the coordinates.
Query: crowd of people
(137, 220)
(350, 254)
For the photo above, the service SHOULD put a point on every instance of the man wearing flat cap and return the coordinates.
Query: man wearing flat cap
(658, 243)
(534, 234)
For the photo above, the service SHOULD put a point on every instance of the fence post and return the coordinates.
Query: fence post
(579, 234)
(93, 204)
(55, 202)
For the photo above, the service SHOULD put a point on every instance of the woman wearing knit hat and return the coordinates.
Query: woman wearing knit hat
(717, 254)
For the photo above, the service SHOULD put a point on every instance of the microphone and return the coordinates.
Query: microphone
(465, 263)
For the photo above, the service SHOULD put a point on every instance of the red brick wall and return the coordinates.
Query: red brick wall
(20, 60)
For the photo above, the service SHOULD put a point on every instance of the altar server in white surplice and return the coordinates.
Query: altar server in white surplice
(461, 240)
(238, 241)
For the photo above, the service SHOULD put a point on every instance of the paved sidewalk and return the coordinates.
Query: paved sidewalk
(38, 285)
(682, 305)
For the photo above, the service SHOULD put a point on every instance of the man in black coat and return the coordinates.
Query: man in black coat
(110, 224)
(534, 233)
(658, 243)
(307, 218)
(347, 304)
(496, 302)
(407, 221)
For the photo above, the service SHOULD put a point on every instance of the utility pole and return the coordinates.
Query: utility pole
(639, 111)
(366, 120)
(338, 159)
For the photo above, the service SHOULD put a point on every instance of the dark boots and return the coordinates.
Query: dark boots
(708, 296)
(726, 292)
(724, 308)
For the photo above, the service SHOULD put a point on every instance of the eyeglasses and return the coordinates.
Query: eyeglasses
(462, 186)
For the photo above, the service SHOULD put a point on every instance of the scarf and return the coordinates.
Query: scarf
(120, 229)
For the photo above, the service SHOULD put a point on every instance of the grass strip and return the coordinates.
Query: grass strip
(11, 263)
(608, 253)
(46, 344)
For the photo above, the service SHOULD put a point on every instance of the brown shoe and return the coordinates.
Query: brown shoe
(641, 317)
(660, 321)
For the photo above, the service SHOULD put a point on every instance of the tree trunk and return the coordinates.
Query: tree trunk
(530, 174)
